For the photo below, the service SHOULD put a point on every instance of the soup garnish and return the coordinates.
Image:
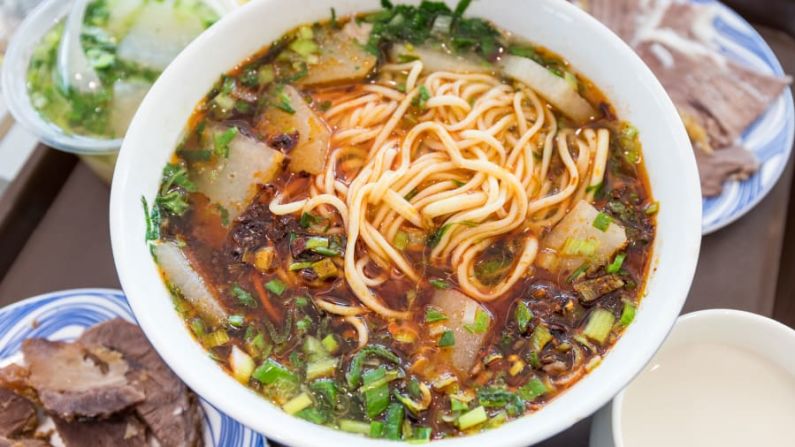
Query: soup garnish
(407, 224)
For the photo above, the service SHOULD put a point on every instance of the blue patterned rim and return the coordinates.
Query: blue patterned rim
(770, 137)
(65, 315)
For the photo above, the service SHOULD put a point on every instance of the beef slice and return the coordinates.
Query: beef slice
(119, 431)
(73, 381)
(17, 414)
(170, 409)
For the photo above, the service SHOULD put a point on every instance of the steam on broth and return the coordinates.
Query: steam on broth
(407, 224)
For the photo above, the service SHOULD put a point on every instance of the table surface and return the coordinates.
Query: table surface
(738, 266)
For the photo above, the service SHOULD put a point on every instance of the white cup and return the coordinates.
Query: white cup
(768, 339)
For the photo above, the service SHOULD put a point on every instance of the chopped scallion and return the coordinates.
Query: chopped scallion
(523, 316)
(472, 418)
(627, 314)
(615, 266)
(602, 222)
(481, 324)
(439, 283)
(599, 325)
(276, 286)
(351, 426)
(447, 339)
(433, 315)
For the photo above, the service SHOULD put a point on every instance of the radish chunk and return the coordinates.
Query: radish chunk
(436, 59)
(342, 59)
(244, 164)
(554, 89)
(585, 237)
(293, 114)
(461, 312)
(181, 275)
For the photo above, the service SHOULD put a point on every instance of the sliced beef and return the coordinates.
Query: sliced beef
(17, 414)
(170, 409)
(28, 442)
(732, 162)
(119, 431)
(621, 16)
(73, 381)
(718, 98)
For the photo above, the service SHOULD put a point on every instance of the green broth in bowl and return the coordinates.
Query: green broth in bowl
(128, 43)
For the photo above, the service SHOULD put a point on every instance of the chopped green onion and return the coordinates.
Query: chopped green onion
(222, 141)
(532, 389)
(422, 98)
(326, 251)
(215, 339)
(354, 374)
(330, 344)
(351, 426)
(276, 286)
(422, 434)
(236, 320)
(321, 368)
(533, 359)
(378, 377)
(652, 208)
(602, 222)
(313, 415)
(297, 404)
(316, 242)
(481, 324)
(615, 266)
(304, 47)
(376, 429)
(627, 314)
(472, 418)
(265, 75)
(284, 103)
(393, 421)
(327, 389)
(439, 283)
(599, 325)
(243, 296)
(523, 316)
(447, 339)
(401, 240)
(457, 404)
(539, 338)
(580, 247)
(272, 371)
(575, 275)
(307, 219)
(433, 315)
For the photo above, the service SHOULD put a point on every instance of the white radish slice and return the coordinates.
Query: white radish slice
(460, 310)
(438, 60)
(554, 89)
(181, 275)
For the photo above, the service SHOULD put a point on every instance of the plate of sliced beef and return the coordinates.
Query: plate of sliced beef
(76, 371)
(728, 86)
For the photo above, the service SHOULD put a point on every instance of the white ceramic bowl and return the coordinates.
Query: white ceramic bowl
(762, 336)
(557, 25)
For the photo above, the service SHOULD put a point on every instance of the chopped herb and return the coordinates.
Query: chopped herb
(422, 98)
(627, 314)
(221, 141)
(299, 266)
(308, 219)
(481, 324)
(334, 18)
(472, 418)
(447, 339)
(498, 397)
(599, 325)
(152, 221)
(596, 189)
(532, 389)
(439, 283)
(615, 266)
(523, 316)
(276, 287)
(405, 58)
(224, 214)
(436, 236)
(236, 320)
(652, 208)
(413, 193)
(602, 222)
(539, 338)
(432, 315)
(576, 274)
(325, 105)
(243, 296)
(283, 102)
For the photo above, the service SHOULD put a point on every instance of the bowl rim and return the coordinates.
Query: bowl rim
(293, 431)
(686, 323)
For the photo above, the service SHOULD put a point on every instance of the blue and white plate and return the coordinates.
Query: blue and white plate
(769, 138)
(65, 315)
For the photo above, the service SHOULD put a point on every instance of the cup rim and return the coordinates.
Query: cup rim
(697, 318)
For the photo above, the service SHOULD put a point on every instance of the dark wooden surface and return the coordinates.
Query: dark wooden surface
(54, 235)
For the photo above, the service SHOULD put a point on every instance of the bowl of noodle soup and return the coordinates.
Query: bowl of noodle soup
(415, 222)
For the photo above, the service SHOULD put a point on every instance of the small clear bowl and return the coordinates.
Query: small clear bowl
(100, 153)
